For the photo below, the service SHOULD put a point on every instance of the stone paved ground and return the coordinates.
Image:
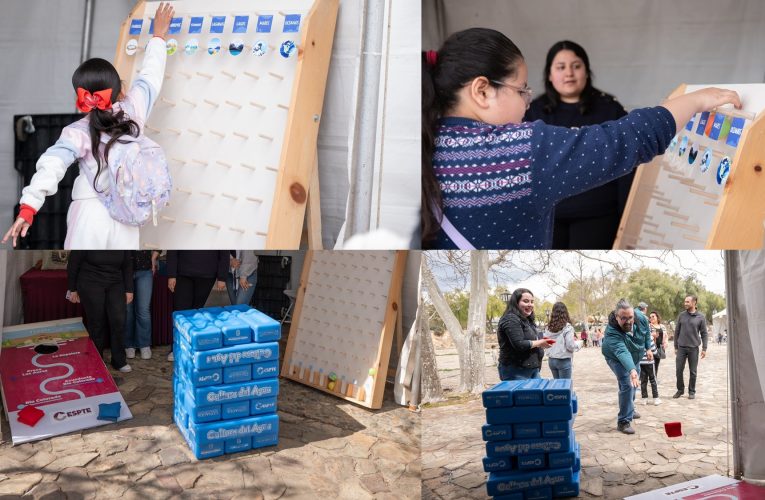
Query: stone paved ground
(613, 465)
(327, 449)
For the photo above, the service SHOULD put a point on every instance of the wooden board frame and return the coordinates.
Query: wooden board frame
(392, 313)
(738, 221)
(297, 171)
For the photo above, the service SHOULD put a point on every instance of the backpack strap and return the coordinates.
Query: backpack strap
(460, 241)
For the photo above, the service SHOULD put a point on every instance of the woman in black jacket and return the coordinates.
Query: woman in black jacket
(521, 347)
(103, 282)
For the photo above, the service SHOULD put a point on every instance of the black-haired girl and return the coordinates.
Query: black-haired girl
(490, 181)
(99, 89)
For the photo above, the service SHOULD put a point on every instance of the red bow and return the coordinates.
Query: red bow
(431, 57)
(101, 99)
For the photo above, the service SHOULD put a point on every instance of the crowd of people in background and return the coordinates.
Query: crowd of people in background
(633, 344)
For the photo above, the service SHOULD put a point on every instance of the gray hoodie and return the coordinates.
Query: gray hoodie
(565, 343)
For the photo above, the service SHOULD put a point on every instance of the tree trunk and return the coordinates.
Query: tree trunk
(473, 379)
(430, 386)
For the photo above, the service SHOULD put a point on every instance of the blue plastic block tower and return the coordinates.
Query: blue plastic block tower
(225, 379)
(531, 448)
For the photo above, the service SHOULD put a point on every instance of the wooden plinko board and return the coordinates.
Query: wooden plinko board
(344, 322)
(238, 117)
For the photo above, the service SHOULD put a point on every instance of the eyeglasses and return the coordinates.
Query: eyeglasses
(525, 92)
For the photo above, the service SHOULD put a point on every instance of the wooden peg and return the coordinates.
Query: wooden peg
(218, 133)
(257, 105)
(266, 137)
(174, 130)
(182, 162)
(247, 165)
(207, 193)
(151, 246)
(228, 74)
(206, 75)
(167, 101)
(282, 106)
(216, 226)
(168, 75)
(151, 129)
(168, 219)
(230, 196)
(194, 131)
(211, 103)
(181, 190)
(256, 200)
(273, 169)
(261, 233)
(276, 75)
(281, 13)
(199, 162)
(223, 163)
(189, 102)
(190, 222)
(185, 73)
(236, 229)
(252, 75)
(234, 104)
(241, 135)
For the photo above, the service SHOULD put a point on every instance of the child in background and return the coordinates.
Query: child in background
(490, 181)
(97, 83)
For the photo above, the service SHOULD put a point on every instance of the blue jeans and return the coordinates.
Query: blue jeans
(240, 295)
(510, 372)
(626, 391)
(138, 324)
(560, 368)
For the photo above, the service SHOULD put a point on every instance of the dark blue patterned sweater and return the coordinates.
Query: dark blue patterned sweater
(501, 183)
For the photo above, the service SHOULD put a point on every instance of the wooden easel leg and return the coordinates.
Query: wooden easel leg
(399, 342)
(313, 210)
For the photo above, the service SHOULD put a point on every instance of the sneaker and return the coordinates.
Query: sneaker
(145, 352)
(645, 401)
(635, 414)
(677, 394)
(170, 356)
(126, 369)
(130, 353)
(625, 427)
(656, 401)
(691, 396)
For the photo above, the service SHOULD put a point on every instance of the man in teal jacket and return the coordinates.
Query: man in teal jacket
(626, 340)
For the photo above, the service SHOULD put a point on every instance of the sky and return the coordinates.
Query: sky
(708, 265)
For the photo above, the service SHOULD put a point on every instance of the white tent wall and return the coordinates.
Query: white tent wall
(42, 41)
(639, 50)
(17, 263)
(745, 283)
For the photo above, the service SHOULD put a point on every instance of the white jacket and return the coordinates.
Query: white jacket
(75, 145)
(565, 343)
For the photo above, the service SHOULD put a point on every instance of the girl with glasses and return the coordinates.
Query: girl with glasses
(491, 181)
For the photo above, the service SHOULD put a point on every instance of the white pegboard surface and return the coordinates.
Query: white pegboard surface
(341, 322)
(686, 195)
(221, 119)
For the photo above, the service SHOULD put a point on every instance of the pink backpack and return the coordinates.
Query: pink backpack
(139, 182)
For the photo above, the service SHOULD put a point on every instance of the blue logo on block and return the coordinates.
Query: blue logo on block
(689, 125)
(291, 23)
(716, 126)
(175, 26)
(216, 26)
(135, 26)
(736, 128)
(264, 24)
(151, 27)
(702, 123)
(195, 24)
(240, 24)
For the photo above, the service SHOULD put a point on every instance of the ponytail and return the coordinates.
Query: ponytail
(430, 220)
(114, 125)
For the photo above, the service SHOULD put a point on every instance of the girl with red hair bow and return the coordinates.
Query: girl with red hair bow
(98, 88)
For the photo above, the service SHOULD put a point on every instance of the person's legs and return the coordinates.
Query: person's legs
(93, 299)
(656, 361)
(644, 383)
(232, 292)
(649, 370)
(693, 363)
(510, 372)
(245, 296)
(562, 367)
(130, 319)
(202, 289)
(626, 391)
(680, 357)
(183, 297)
(115, 313)
(144, 281)
(553, 364)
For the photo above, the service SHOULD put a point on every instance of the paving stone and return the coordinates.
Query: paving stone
(75, 460)
(20, 484)
(471, 480)
(46, 491)
(373, 483)
(174, 455)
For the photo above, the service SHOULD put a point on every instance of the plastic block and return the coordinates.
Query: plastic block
(500, 483)
(235, 392)
(493, 464)
(235, 355)
(568, 490)
(264, 328)
(532, 462)
(269, 369)
(540, 493)
(529, 392)
(563, 428)
(238, 409)
(526, 447)
(527, 430)
(238, 444)
(262, 405)
(261, 429)
(557, 391)
(520, 414)
(497, 432)
(500, 395)
(237, 374)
